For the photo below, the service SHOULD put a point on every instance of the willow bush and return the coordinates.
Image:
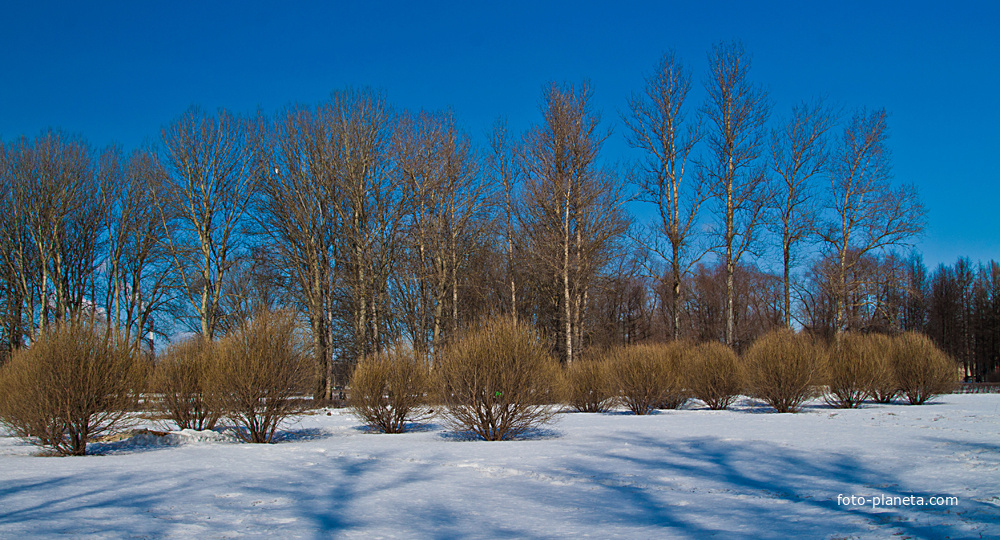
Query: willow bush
(852, 370)
(75, 383)
(388, 390)
(922, 370)
(884, 387)
(263, 372)
(589, 385)
(715, 375)
(650, 376)
(784, 369)
(182, 382)
(497, 381)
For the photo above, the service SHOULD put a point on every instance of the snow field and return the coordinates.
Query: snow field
(689, 473)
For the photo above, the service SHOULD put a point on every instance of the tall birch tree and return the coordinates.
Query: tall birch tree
(736, 111)
(572, 208)
(658, 125)
(798, 155)
(866, 212)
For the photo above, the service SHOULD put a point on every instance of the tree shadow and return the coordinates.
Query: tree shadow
(408, 427)
(62, 506)
(534, 434)
(794, 492)
(620, 484)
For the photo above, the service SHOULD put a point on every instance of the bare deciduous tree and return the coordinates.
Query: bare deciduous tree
(52, 217)
(296, 215)
(211, 184)
(656, 120)
(370, 208)
(137, 269)
(442, 178)
(737, 111)
(14, 256)
(867, 212)
(798, 153)
(504, 168)
(572, 209)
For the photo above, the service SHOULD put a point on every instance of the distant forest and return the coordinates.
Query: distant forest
(382, 226)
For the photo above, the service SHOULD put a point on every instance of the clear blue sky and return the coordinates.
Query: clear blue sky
(116, 72)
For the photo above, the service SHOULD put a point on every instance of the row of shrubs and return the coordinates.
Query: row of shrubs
(79, 382)
(782, 369)
(498, 381)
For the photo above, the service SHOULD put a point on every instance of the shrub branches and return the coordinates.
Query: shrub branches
(263, 368)
(387, 390)
(649, 376)
(588, 385)
(497, 381)
(922, 370)
(783, 369)
(75, 383)
(183, 378)
(714, 375)
(853, 370)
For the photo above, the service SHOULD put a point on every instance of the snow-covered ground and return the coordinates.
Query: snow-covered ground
(690, 473)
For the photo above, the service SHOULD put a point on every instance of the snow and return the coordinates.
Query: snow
(690, 473)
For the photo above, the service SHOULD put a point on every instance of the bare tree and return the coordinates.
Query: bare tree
(736, 111)
(296, 215)
(757, 303)
(621, 312)
(572, 209)
(656, 120)
(504, 167)
(441, 173)
(52, 216)
(13, 244)
(798, 153)
(370, 208)
(867, 212)
(255, 283)
(211, 184)
(136, 267)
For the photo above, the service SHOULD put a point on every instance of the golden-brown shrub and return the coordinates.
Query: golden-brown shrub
(76, 382)
(588, 385)
(784, 368)
(884, 387)
(263, 369)
(852, 370)
(388, 390)
(182, 382)
(650, 376)
(497, 381)
(715, 375)
(922, 370)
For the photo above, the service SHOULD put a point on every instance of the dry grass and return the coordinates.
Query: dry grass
(497, 381)
(715, 375)
(75, 383)
(650, 376)
(263, 367)
(922, 370)
(182, 380)
(783, 369)
(388, 390)
(588, 385)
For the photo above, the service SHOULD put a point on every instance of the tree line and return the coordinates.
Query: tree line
(379, 225)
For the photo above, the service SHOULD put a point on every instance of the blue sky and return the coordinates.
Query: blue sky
(116, 72)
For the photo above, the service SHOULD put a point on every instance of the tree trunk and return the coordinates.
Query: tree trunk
(567, 299)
